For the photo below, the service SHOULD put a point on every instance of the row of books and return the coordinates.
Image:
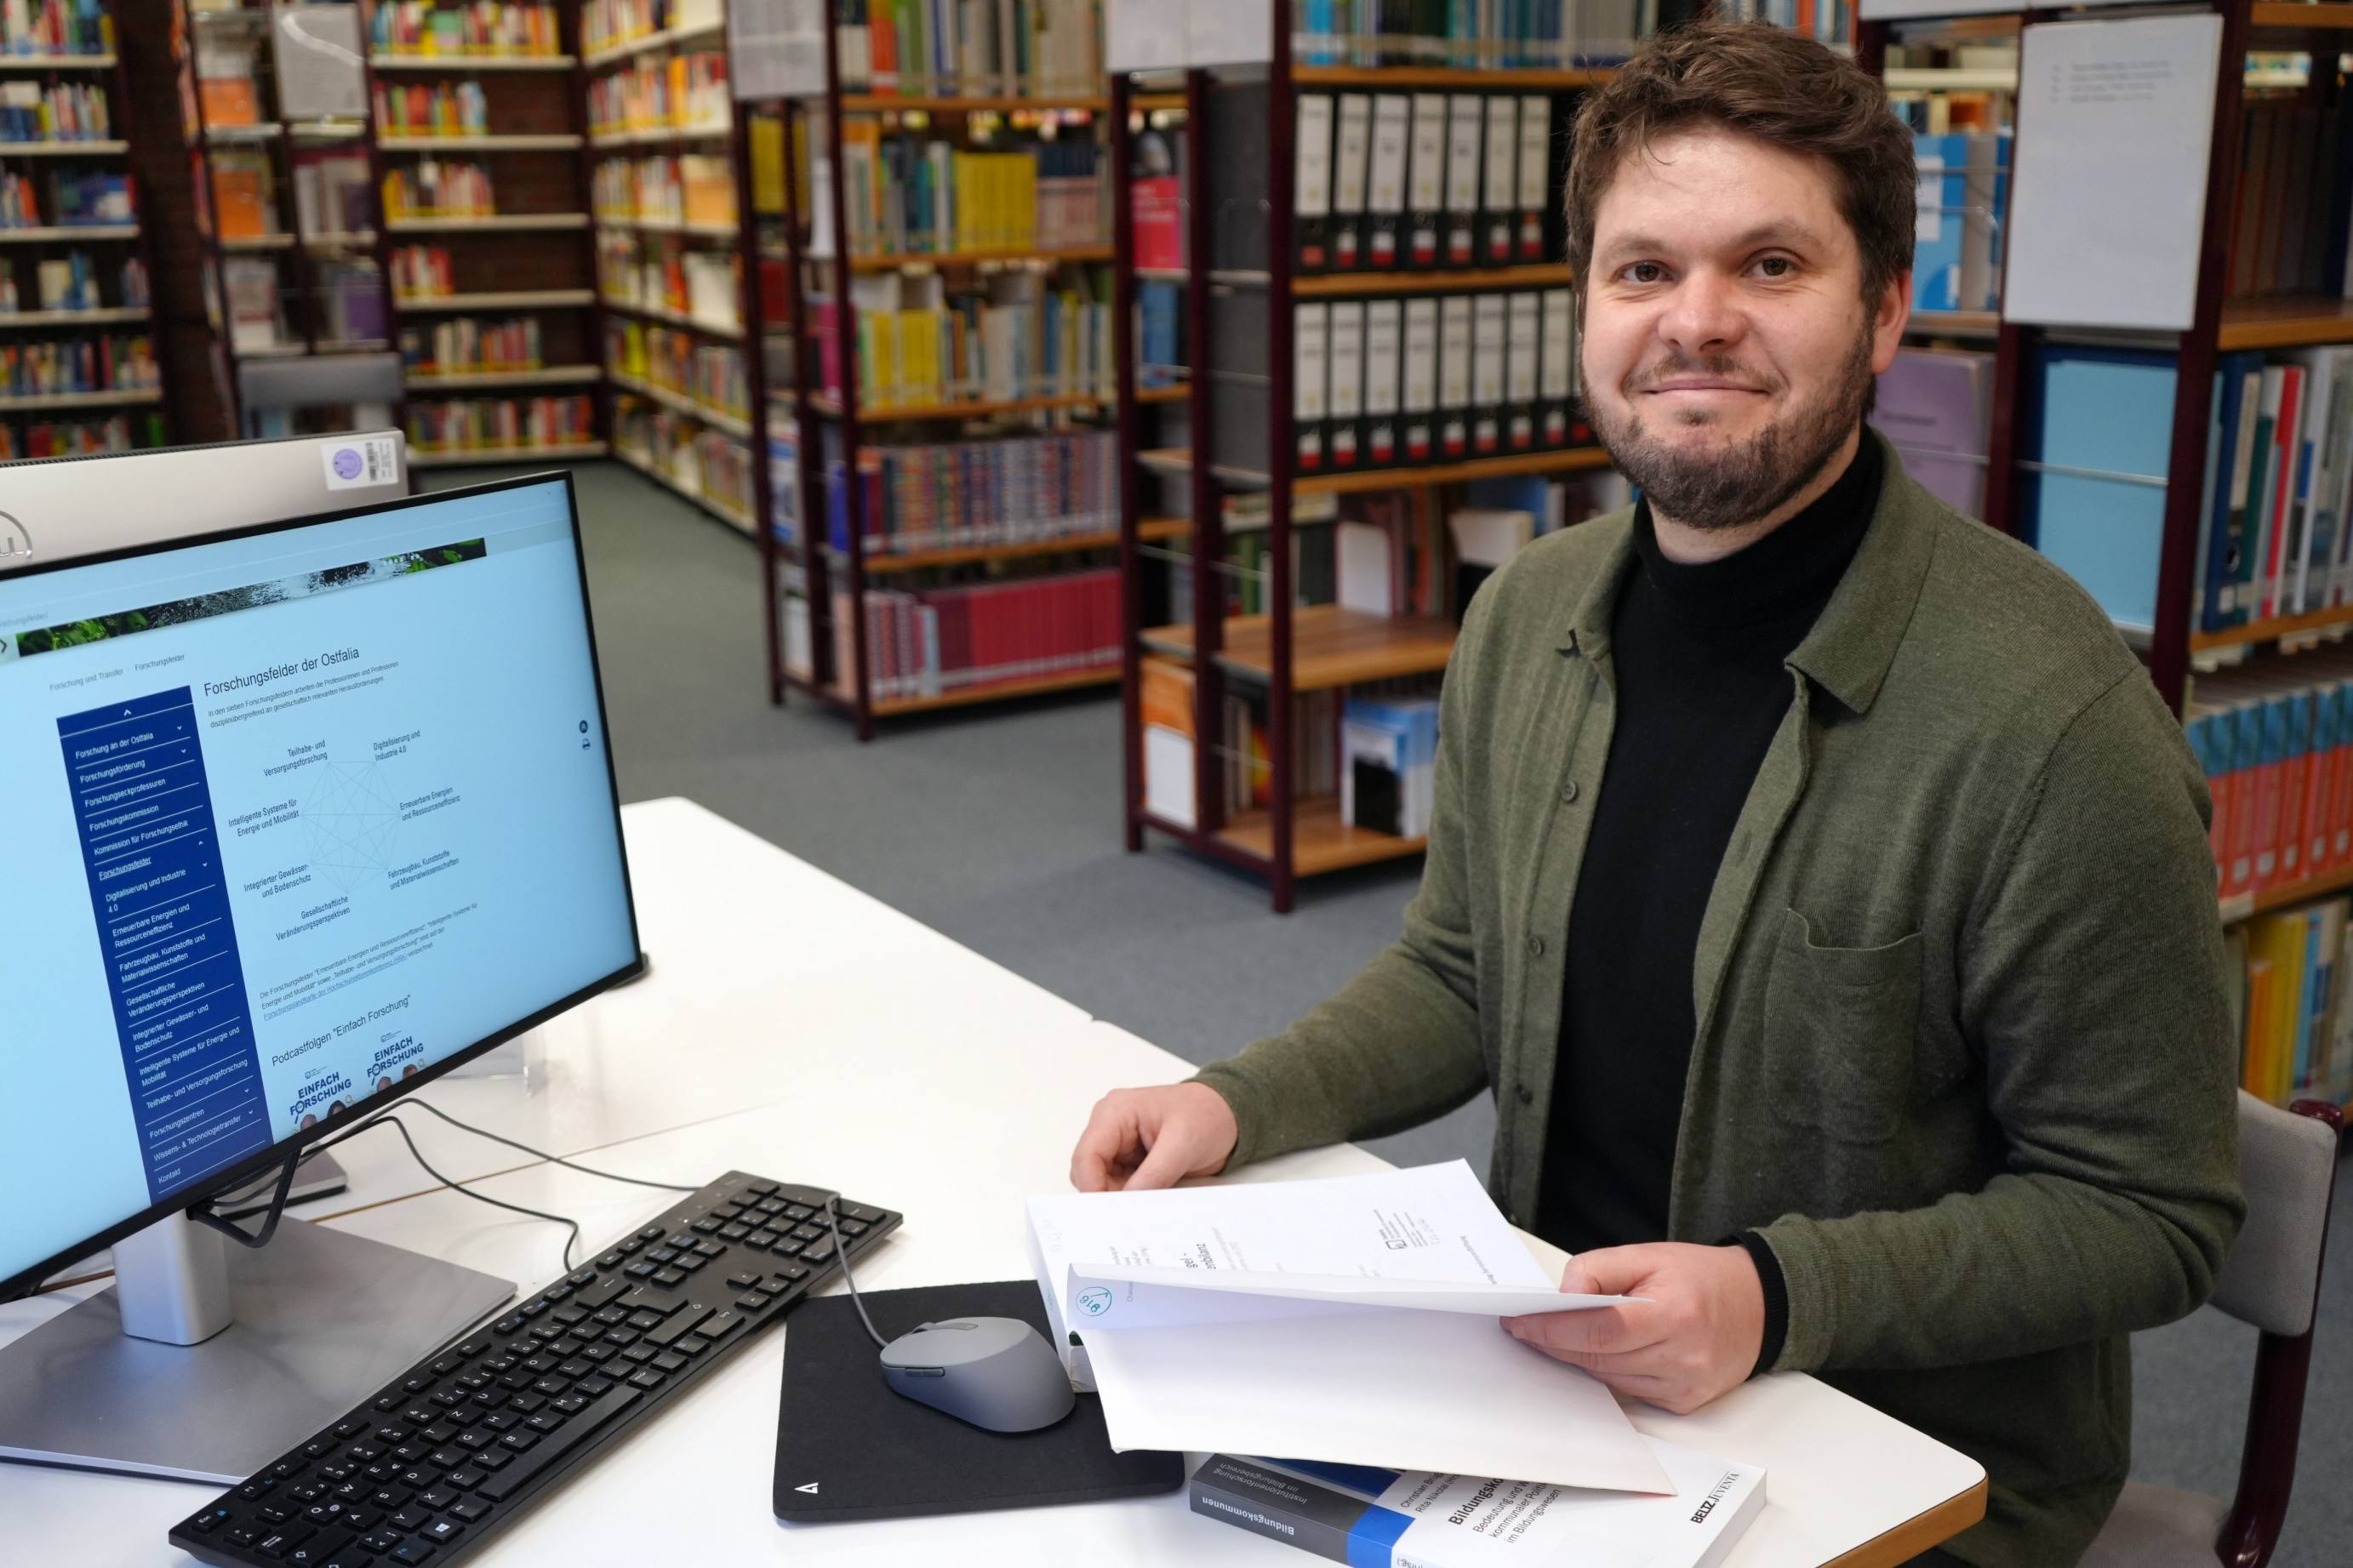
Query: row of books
(695, 188)
(78, 365)
(483, 28)
(34, 438)
(73, 199)
(682, 363)
(701, 284)
(1159, 333)
(971, 48)
(462, 344)
(1397, 181)
(1245, 777)
(1383, 382)
(2295, 1024)
(2280, 481)
(55, 27)
(948, 495)
(693, 457)
(244, 193)
(1010, 335)
(910, 195)
(1935, 405)
(422, 271)
(606, 23)
(685, 91)
(434, 187)
(346, 303)
(1484, 35)
(943, 640)
(61, 111)
(69, 283)
(1963, 200)
(2290, 200)
(2276, 742)
(435, 109)
(496, 424)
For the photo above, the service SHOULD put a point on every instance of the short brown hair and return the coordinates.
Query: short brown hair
(1784, 89)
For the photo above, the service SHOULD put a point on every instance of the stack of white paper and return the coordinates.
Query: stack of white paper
(1351, 1321)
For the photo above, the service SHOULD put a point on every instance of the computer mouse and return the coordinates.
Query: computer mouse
(999, 1374)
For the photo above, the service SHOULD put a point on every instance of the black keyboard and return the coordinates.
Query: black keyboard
(478, 1431)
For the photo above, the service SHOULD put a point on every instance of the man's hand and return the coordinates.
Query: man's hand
(1140, 1137)
(1693, 1338)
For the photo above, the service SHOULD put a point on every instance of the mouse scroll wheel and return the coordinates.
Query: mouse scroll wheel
(922, 1371)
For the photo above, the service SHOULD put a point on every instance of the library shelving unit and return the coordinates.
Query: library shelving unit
(286, 216)
(76, 258)
(822, 627)
(476, 113)
(667, 145)
(1239, 284)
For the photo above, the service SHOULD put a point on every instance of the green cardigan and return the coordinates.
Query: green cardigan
(1964, 1054)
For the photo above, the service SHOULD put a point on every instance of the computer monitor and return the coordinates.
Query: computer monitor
(299, 817)
(66, 507)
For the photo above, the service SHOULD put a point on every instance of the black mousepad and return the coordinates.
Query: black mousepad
(847, 1447)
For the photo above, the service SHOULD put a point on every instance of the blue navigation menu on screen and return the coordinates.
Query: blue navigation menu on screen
(290, 818)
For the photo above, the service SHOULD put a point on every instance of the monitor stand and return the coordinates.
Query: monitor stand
(207, 1361)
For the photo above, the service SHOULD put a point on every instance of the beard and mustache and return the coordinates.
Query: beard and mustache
(1729, 486)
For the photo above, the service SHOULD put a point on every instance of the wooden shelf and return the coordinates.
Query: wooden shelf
(57, 62)
(873, 103)
(2336, 617)
(975, 408)
(385, 60)
(1346, 285)
(241, 135)
(885, 562)
(510, 299)
(1176, 393)
(1329, 646)
(251, 242)
(2263, 900)
(2287, 321)
(998, 691)
(1155, 102)
(970, 258)
(486, 141)
(488, 223)
(669, 37)
(1955, 323)
(475, 380)
(718, 419)
(64, 149)
(67, 233)
(2325, 26)
(15, 320)
(1320, 841)
(1563, 460)
(661, 135)
(711, 504)
(726, 231)
(36, 401)
(469, 457)
(1528, 79)
(673, 318)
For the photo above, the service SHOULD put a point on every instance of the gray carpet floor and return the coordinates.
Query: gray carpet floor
(1000, 827)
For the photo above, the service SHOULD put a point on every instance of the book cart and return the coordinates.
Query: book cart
(77, 254)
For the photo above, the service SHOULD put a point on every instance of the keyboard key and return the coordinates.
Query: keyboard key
(582, 1426)
(512, 1323)
(204, 1523)
(474, 1347)
(436, 1497)
(350, 1429)
(320, 1548)
(413, 1551)
(735, 1232)
(581, 1277)
(751, 1302)
(593, 1387)
(278, 1542)
(763, 1239)
(670, 1360)
(687, 1262)
(493, 1460)
(641, 1271)
(709, 1249)
(719, 1325)
(680, 1323)
(761, 1189)
(663, 1254)
(520, 1440)
(243, 1535)
(706, 1225)
(859, 1212)
(380, 1543)
(797, 1212)
(254, 1492)
(443, 1530)
(409, 1519)
(645, 1377)
(670, 1276)
(437, 1433)
(465, 1479)
(819, 1252)
(694, 1344)
(444, 1459)
(477, 1440)
(742, 1281)
(612, 1260)
(270, 1513)
(287, 1470)
(651, 1233)
(362, 1519)
(545, 1421)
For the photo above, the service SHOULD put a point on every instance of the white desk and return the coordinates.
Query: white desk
(961, 1101)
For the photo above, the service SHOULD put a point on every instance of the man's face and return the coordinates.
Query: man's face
(1726, 349)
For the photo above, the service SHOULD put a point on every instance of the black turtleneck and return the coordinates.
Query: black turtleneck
(1697, 653)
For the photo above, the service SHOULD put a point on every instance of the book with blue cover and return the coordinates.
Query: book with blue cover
(2101, 438)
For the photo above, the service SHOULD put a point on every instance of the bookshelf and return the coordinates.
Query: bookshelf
(668, 147)
(287, 215)
(476, 129)
(75, 252)
(1230, 433)
(935, 227)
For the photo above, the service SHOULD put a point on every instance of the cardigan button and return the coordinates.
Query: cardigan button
(1535, 947)
(1527, 1096)
(1568, 793)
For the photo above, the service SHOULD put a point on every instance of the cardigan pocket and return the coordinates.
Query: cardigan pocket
(1841, 1028)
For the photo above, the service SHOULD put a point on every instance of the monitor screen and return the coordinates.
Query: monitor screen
(295, 817)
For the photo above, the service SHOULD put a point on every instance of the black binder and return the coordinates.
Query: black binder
(849, 1449)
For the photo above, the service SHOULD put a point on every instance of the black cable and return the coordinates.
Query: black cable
(203, 1213)
(556, 1159)
(842, 1251)
(402, 1128)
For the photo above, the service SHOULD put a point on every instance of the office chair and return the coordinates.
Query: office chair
(2287, 1164)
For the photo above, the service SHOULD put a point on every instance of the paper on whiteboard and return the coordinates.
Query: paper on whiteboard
(1144, 35)
(775, 48)
(2108, 192)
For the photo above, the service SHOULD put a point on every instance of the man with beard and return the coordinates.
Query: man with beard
(1816, 881)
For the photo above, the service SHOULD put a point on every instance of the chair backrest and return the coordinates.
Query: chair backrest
(2287, 1164)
